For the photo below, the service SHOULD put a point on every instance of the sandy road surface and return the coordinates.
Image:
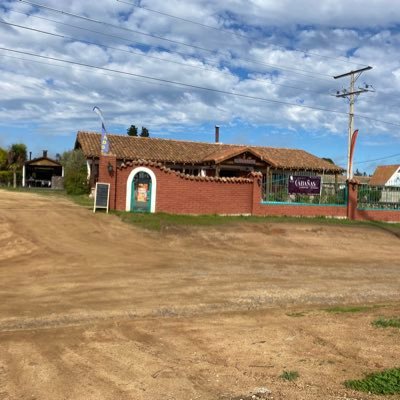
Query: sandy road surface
(91, 308)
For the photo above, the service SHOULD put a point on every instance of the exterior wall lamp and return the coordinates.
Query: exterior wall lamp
(110, 168)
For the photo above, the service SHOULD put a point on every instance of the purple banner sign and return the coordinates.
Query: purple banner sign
(304, 185)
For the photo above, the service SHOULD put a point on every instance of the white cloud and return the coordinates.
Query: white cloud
(60, 98)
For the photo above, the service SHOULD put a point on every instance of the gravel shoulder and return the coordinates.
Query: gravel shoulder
(93, 308)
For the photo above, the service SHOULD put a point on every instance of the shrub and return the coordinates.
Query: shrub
(75, 182)
(289, 375)
(6, 178)
(75, 171)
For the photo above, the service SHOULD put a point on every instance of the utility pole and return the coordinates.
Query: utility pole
(352, 93)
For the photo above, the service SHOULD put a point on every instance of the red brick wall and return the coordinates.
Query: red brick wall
(106, 177)
(181, 195)
(378, 215)
(369, 215)
(298, 210)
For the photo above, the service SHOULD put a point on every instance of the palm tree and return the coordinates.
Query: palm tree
(16, 159)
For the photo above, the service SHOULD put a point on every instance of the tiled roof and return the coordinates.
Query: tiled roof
(166, 150)
(191, 177)
(382, 174)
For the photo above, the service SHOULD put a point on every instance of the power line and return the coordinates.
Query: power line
(232, 33)
(140, 43)
(196, 86)
(168, 40)
(149, 56)
(81, 69)
(378, 159)
(174, 82)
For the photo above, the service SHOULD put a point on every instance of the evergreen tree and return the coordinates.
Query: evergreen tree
(132, 131)
(145, 132)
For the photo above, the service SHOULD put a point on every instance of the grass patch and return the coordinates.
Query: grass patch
(345, 309)
(387, 322)
(384, 382)
(350, 309)
(296, 314)
(289, 375)
(81, 199)
(160, 221)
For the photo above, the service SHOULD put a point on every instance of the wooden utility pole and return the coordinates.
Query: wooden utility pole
(352, 94)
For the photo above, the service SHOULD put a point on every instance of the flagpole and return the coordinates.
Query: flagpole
(104, 144)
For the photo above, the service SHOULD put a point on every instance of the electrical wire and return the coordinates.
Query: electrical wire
(141, 43)
(168, 40)
(149, 56)
(234, 33)
(197, 86)
(377, 159)
(175, 82)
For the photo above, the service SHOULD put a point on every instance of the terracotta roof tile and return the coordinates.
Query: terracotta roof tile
(187, 176)
(382, 174)
(167, 150)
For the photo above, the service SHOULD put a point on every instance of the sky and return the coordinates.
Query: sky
(262, 70)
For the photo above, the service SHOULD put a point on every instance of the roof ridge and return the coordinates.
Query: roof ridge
(387, 166)
(193, 141)
(191, 152)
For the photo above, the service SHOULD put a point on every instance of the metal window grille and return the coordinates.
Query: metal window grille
(275, 190)
(378, 197)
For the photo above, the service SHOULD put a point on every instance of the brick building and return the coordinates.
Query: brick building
(151, 174)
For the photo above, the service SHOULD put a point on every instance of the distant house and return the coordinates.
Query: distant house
(41, 171)
(386, 175)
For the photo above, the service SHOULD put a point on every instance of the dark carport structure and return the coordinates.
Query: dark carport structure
(39, 172)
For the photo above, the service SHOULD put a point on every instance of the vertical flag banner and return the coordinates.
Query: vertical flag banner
(105, 148)
(352, 147)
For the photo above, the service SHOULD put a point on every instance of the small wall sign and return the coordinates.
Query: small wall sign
(304, 185)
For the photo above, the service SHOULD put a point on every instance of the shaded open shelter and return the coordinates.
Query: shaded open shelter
(41, 171)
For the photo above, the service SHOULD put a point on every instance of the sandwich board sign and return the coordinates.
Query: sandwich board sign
(101, 196)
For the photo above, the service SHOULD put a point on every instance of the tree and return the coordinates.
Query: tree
(3, 159)
(359, 173)
(132, 131)
(75, 172)
(145, 132)
(16, 159)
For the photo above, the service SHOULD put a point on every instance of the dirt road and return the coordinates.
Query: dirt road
(91, 308)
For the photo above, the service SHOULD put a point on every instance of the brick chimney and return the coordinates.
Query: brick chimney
(45, 153)
(216, 134)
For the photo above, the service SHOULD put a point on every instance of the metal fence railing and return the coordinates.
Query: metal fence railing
(378, 197)
(275, 190)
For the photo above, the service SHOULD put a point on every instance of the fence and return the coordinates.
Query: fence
(378, 197)
(276, 190)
